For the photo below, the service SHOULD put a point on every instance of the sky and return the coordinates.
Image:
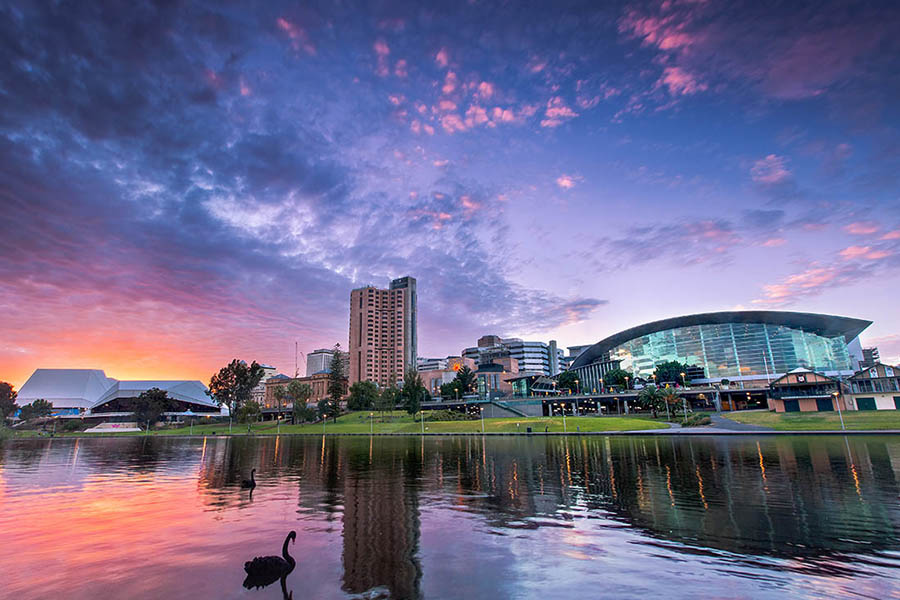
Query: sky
(185, 183)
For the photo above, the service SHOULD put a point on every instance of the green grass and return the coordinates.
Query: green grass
(400, 422)
(821, 421)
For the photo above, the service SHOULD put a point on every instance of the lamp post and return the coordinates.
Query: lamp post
(563, 407)
(482, 419)
(626, 382)
(371, 423)
(229, 423)
(422, 420)
(577, 392)
(838, 404)
(683, 381)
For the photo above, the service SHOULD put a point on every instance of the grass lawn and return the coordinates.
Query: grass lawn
(822, 421)
(400, 422)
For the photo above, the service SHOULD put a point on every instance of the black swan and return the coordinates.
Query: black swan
(249, 483)
(266, 570)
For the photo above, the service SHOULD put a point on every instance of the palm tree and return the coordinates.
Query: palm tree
(651, 397)
(670, 396)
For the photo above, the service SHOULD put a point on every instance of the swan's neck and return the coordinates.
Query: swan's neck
(284, 552)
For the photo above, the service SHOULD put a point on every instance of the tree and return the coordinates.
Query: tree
(671, 396)
(232, 385)
(388, 399)
(8, 406)
(150, 406)
(670, 371)
(363, 396)
(38, 408)
(412, 392)
(651, 398)
(466, 378)
(452, 390)
(567, 380)
(330, 406)
(298, 394)
(248, 412)
(616, 377)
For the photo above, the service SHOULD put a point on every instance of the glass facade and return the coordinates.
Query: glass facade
(730, 350)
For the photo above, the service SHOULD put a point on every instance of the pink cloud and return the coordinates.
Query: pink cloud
(415, 126)
(299, 38)
(485, 89)
(861, 228)
(396, 99)
(770, 170)
(447, 105)
(557, 112)
(452, 122)
(450, 83)
(863, 252)
(892, 235)
(567, 181)
(469, 204)
(421, 108)
(245, 89)
(503, 114)
(666, 33)
(441, 163)
(428, 129)
(680, 82)
(476, 115)
(382, 50)
(441, 58)
(400, 68)
(774, 242)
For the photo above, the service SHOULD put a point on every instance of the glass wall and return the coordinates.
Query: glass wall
(735, 349)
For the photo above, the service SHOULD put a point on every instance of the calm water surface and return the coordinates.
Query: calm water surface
(448, 517)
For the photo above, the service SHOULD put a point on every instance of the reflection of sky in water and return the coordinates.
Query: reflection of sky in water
(454, 517)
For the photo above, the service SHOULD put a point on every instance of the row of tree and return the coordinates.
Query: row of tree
(365, 395)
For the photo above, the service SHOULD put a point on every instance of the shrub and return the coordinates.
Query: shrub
(448, 415)
(72, 425)
(696, 420)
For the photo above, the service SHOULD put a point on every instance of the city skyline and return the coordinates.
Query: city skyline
(186, 185)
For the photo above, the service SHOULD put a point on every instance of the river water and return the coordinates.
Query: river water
(453, 517)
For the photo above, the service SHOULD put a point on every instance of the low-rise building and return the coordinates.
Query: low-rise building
(875, 388)
(433, 379)
(258, 393)
(802, 390)
(318, 384)
(495, 378)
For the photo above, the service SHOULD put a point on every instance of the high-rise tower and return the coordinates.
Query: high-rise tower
(383, 332)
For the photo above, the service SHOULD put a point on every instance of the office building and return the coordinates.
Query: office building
(258, 393)
(531, 357)
(870, 358)
(383, 332)
(319, 361)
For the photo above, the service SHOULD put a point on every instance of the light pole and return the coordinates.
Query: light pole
(482, 419)
(577, 392)
(626, 383)
(229, 423)
(838, 404)
(564, 418)
(683, 381)
(371, 423)
(422, 419)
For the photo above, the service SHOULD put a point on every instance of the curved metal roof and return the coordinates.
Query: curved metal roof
(824, 325)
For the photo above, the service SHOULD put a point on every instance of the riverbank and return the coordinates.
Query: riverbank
(881, 420)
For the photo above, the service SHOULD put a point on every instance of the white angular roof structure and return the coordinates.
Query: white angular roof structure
(65, 388)
(193, 392)
(90, 388)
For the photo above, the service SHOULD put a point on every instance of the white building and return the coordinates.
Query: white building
(319, 361)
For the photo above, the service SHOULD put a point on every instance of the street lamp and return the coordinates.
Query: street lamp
(838, 404)
(683, 381)
(422, 419)
(577, 392)
(371, 423)
(482, 419)
(626, 382)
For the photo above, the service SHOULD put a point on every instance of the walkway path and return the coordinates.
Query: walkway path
(720, 422)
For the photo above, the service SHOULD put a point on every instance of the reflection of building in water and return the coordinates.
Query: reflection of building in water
(381, 526)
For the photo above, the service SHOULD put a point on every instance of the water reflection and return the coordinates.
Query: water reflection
(459, 517)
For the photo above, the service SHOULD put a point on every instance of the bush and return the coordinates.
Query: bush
(72, 425)
(448, 415)
(696, 420)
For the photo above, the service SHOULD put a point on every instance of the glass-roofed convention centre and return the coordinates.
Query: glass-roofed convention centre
(752, 347)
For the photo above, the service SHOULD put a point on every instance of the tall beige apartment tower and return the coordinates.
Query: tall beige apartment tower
(383, 332)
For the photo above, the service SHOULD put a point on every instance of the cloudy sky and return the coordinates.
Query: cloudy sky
(184, 183)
